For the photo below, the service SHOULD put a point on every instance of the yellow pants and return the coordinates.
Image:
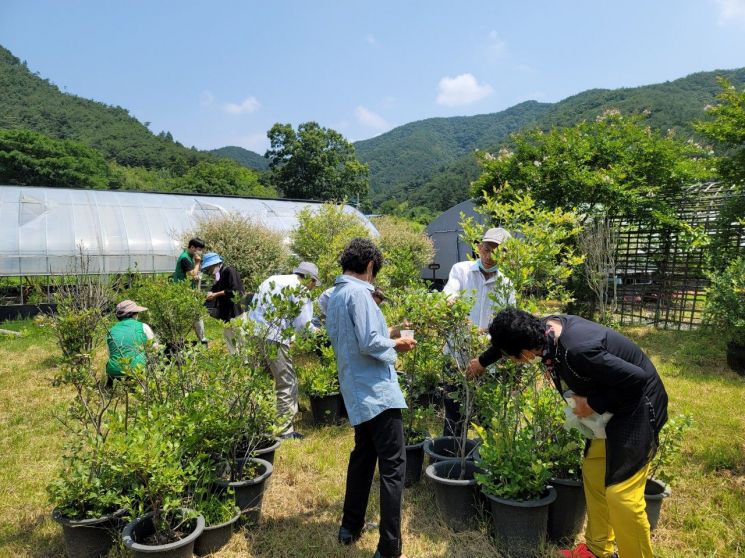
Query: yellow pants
(616, 512)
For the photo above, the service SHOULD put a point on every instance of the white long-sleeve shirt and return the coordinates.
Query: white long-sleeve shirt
(467, 280)
(272, 286)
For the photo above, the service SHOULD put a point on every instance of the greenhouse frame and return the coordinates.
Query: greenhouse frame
(44, 229)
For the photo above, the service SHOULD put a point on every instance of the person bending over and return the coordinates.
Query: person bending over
(606, 372)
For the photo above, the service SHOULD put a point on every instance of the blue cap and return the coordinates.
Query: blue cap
(210, 259)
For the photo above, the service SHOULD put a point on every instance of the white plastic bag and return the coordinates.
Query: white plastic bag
(591, 427)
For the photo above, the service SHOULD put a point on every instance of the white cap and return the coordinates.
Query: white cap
(497, 235)
(307, 269)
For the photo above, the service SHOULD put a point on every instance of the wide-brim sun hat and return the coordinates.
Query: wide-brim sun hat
(128, 307)
(210, 259)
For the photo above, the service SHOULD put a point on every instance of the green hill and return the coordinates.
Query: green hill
(431, 162)
(34, 103)
(410, 154)
(245, 157)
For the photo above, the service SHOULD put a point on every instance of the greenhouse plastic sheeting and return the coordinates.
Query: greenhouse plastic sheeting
(43, 229)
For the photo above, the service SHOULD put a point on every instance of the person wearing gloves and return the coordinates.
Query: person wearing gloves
(608, 373)
(226, 291)
(365, 355)
(305, 275)
(126, 341)
(490, 291)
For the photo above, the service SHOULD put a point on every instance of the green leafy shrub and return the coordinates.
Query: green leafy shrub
(87, 486)
(319, 377)
(514, 454)
(539, 258)
(151, 454)
(406, 251)
(511, 468)
(725, 301)
(216, 508)
(172, 308)
(668, 450)
(322, 234)
(253, 249)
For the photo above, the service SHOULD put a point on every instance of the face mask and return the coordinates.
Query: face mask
(491, 269)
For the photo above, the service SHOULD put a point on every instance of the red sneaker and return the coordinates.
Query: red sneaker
(579, 551)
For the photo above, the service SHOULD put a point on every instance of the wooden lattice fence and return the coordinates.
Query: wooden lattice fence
(660, 277)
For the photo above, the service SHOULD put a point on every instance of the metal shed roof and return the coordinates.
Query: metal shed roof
(41, 229)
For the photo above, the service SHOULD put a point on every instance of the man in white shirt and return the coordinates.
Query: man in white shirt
(304, 275)
(477, 280)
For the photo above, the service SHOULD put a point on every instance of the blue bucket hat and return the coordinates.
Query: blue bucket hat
(210, 259)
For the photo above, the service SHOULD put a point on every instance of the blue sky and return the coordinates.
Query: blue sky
(221, 73)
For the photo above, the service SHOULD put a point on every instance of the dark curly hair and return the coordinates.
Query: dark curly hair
(360, 252)
(513, 331)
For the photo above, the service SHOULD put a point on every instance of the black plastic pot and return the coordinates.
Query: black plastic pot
(327, 409)
(736, 357)
(267, 453)
(566, 514)
(414, 461)
(214, 537)
(142, 527)
(249, 494)
(430, 397)
(655, 493)
(519, 526)
(457, 499)
(90, 538)
(445, 448)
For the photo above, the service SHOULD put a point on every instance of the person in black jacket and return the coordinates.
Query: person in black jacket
(606, 372)
(226, 291)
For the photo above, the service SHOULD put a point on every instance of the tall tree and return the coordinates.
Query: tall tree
(31, 158)
(613, 166)
(314, 163)
(224, 177)
(727, 128)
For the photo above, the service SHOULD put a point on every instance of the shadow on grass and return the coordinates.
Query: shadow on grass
(698, 355)
(299, 536)
(37, 537)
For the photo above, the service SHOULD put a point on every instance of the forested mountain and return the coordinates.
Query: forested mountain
(432, 162)
(34, 103)
(52, 138)
(245, 157)
(429, 163)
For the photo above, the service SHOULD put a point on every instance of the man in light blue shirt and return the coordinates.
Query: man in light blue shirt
(365, 355)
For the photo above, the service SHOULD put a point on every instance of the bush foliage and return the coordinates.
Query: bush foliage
(253, 249)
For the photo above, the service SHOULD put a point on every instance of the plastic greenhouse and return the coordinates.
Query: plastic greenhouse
(42, 229)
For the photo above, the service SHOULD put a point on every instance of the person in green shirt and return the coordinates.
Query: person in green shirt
(126, 341)
(188, 265)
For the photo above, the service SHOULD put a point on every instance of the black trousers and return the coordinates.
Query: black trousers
(381, 440)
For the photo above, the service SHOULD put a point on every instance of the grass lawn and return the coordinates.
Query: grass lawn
(704, 518)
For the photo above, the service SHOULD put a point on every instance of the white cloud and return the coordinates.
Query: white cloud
(496, 47)
(206, 98)
(368, 118)
(249, 105)
(461, 90)
(731, 11)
